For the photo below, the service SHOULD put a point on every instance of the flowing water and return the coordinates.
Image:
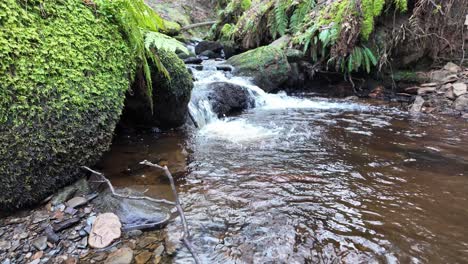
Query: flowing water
(303, 179)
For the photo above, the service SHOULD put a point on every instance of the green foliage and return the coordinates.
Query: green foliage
(279, 25)
(301, 10)
(63, 76)
(370, 9)
(163, 42)
(360, 58)
(227, 31)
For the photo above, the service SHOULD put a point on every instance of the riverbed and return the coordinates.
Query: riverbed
(307, 179)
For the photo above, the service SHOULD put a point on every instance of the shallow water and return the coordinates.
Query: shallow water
(312, 180)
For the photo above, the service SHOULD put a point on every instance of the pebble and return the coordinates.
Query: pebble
(83, 243)
(51, 235)
(134, 233)
(38, 255)
(36, 261)
(159, 250)
(40, 243)
(4, 245)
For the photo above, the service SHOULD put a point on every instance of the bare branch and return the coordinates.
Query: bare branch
(111, 187)
(186, 235)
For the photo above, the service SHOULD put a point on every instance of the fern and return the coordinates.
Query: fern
(299, 14)
(161, 41)
(281, 17)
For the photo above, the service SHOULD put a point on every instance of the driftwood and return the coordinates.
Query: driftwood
(202, 24)
(185, 237)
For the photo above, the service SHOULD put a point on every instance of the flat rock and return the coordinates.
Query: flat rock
(120, 256)
(143, 257)
(459, 89)
(57, 227)
(432, 84)
(105, 229)
(450, 79)
(412, 90)
(77, 202)
(40, 243)
(159, 250)
(426, 90)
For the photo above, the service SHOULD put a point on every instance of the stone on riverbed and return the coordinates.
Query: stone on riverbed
(134, 214)
(106, 228)
(120, 256)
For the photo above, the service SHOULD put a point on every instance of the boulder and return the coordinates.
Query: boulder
(213, 46)
(171, 96)
(228, 98)
(452, 67)
(193, 60)
(417, 105)
(59, 102)
(459, 89)
(268, 66)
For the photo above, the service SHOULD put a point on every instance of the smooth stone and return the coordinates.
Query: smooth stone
(4, 245)
(459, 89)
(77, 202)
(120, 256)
(143, 257)
(134, 233)
(40, 243)
(106, 228)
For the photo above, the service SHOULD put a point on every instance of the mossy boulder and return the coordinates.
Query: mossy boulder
(64, 71)
(171, 95)
(268, 66)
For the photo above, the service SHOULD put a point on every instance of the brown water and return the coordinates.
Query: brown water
(350, 183)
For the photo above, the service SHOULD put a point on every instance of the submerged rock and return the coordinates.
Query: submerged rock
(120, 256)
(134, 214)
(268, 66)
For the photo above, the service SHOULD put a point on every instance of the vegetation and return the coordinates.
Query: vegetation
(65, 67)
(335, 33)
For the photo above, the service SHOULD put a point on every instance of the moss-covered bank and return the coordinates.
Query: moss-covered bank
(64, 71)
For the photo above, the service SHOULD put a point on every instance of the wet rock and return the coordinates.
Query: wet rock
(213, 46)
(6, 261)
(226, 98)
(120, 256)
(40, 243)
(134, 214)
(143, 257)
(210, 54)
(77, 202)
(83, 243)
(57, 227)
(134, 233)
(193, 60)
(268, 66)
(51, 235)
(459, 89)
(224, 68)
(417, 105)
(105, 229)
(461, 104)
(70, 211)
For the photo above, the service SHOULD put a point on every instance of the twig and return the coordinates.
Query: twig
(185, 237)
(111, 187)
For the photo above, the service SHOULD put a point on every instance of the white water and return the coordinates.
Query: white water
(240, 130)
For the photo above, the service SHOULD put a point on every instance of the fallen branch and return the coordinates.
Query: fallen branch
(111, 187)
(202, 24)
(185, 237)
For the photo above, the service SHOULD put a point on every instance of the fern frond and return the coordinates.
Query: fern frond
(161, 41)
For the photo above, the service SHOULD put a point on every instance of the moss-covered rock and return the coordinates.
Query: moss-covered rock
(171, 95)
(268, 66)
(64, 71)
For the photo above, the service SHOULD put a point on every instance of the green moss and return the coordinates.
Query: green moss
(171, 95)
(227, 31)
(63, 76)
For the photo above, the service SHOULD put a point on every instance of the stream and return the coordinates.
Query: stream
(306, 179)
